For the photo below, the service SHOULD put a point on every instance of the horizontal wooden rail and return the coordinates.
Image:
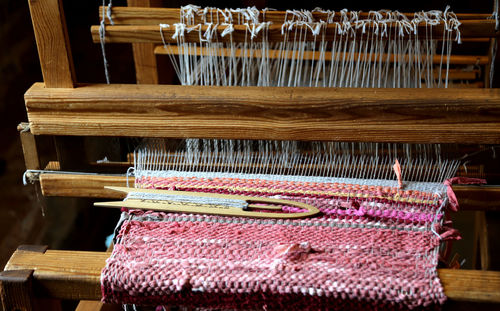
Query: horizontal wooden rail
(88, 186)
(76, 275)
(155, 16)
(83, 186)
(241, 33)
(316, 55)
(330, 114)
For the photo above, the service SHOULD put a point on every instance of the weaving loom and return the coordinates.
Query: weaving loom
(311, 78)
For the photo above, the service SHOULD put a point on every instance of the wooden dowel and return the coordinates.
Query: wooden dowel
(75, 275)
(282, 113)
(155, 16)
(315, 55)
(152, 33)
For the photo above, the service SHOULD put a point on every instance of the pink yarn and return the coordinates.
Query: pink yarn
(368, 252)
(461, 181)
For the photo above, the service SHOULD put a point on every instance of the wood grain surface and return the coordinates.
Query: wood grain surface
(154, 16)
(315, 55)
(92, 186)
(52, 41)
(331, 114)
(76, 275)
(152, 33)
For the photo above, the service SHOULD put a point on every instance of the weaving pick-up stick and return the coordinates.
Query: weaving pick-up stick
(215, 204)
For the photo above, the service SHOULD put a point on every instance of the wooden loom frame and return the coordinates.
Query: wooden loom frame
(61, 106)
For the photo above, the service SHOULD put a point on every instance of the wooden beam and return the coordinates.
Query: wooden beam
(331, 114)
(16, 292)
(76, 275)
(153, 33)
(482, 198)
(16, 287)
(52, 42)
(62, 274)
(471, 285)
(154, 16)
(83, 186)
(316, 55)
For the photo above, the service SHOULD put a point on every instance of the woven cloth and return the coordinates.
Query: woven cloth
(373, 247)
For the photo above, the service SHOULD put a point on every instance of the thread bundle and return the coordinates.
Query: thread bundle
(383, 49)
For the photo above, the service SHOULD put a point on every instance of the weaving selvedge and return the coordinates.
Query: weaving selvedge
(373, 247)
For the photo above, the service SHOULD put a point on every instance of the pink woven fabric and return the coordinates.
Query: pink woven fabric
(373, 248)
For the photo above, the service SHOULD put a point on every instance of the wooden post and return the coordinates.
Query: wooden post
(481, 239)
(31, 159)
(146, 69)
(52, 41)
(16, 286)
(16, 290)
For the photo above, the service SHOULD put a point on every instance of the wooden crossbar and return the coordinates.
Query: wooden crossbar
(316, 55)
(155, 16)
(92, 186)
(241, 33)
(153, 33)
(75, 275)
(329, 114)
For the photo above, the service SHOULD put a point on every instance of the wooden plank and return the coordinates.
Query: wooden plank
(63, 274)
(154, 16)
(89, 305)
(471, 285)
(52, 41)
(31, 159)
(152, 33)
(481, 238)
(86, 186)
(331, 114)
(469, 197)
(315, 55)
(76, 275)
(16, 290)
(146, 69)
(16, 287)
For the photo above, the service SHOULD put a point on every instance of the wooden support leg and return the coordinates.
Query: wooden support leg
(16, 290)
(481, 238)
(16, 287)
(28, 143)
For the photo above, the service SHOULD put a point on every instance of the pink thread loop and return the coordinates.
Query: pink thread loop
(446, 232)
(397, 170)
(460, 181)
